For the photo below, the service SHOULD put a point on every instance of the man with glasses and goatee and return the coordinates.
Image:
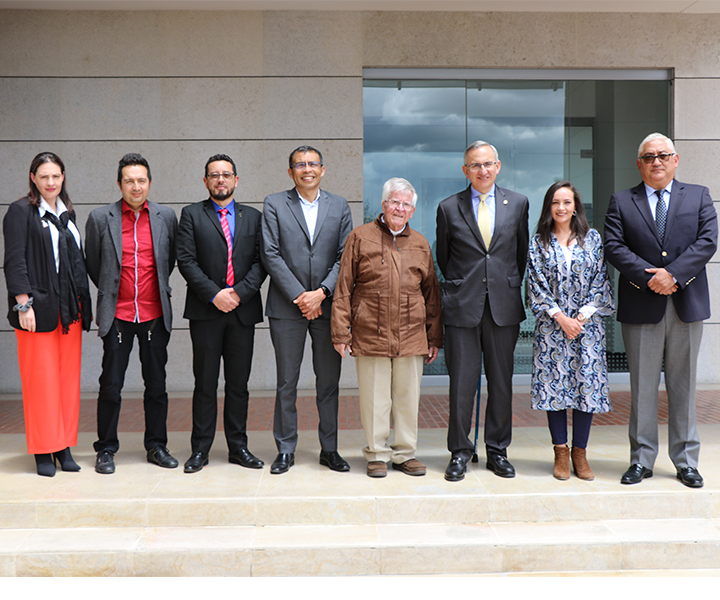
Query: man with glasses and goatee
(218, 254)
(303, 235)
(660, 235)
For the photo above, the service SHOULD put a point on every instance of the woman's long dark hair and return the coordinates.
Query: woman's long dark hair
(34, 194)
(579, 225)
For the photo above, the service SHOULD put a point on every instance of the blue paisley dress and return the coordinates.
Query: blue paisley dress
(569, 373)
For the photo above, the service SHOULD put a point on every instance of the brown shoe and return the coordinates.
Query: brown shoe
(580, 464)
(561, 470)
(377, 468)
(410, 467)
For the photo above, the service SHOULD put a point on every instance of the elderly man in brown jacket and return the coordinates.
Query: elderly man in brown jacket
(387, 314)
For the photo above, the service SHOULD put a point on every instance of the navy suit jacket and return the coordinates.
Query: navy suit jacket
(632, 245)
(470, 269)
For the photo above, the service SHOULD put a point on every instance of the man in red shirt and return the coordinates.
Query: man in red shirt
(130, 249)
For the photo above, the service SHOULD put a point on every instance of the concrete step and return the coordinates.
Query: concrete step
(492, 548)
(227, 520)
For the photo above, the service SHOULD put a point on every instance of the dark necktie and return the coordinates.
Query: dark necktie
(660, 215)
(226, 230)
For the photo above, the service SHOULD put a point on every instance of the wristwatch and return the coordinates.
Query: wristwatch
(581, 317)
(325, 290)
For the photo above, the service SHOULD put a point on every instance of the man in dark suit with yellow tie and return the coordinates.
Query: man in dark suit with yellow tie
(660, 235)
(482, 245)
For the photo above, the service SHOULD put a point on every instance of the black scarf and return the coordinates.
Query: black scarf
(74, 288)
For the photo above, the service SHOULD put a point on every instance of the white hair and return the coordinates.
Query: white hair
(398, 184)
(655, 136)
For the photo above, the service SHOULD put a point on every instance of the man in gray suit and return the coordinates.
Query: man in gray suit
(130, 249)
(482, 245)
(303, 232)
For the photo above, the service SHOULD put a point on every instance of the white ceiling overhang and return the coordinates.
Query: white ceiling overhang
(592, 6)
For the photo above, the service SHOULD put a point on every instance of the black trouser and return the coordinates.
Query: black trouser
(153, 339)
(227, 338)
(465, 348)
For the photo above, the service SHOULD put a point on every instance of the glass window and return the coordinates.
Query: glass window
(545, 130)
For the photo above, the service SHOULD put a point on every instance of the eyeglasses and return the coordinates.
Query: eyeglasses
(475, 167)
(216, 176)
(649, 159)
(299, 166)
(397, 204)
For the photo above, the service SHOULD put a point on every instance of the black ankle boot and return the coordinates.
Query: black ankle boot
(45, 465)
(66, 460)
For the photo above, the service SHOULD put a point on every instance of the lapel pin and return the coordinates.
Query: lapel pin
(504, 201)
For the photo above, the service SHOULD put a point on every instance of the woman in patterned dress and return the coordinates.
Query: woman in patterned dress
(570, 296)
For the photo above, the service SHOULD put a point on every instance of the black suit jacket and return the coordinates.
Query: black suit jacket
(470, 269)
(30, 265)
(633, 245)
(202, 260)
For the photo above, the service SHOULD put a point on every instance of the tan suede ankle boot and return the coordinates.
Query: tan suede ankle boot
(580, 464)
(562, 463)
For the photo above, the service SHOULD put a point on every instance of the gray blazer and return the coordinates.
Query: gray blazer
(474, 273)
(103, 248)
(294, 265)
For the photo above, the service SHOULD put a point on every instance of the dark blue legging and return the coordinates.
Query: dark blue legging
(557, 421)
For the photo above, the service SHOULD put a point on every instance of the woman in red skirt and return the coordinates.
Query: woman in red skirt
(49, 306)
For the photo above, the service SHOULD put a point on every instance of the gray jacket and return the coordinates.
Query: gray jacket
(295, 265)
(103, 249)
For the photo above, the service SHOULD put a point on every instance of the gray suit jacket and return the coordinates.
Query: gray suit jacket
(295, 265)
(471, 269)
(103, 248)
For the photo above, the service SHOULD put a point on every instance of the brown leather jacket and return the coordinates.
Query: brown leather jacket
(387, 298)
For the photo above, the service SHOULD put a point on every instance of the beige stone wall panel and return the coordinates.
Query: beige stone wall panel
(696, 109)
(130, 44)
(297, 43)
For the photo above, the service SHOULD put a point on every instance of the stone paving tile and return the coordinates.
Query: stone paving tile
(433, 413)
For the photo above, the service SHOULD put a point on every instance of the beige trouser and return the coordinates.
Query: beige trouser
(389, 384)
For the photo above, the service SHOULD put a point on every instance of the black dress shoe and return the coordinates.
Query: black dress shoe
(635, 474)
(333, 461)
(196, 462)
(66, 460)
(282, 463)
(690, 477)
(499, 465)
(160, 456)
(105, 464)
(245, 458)
(456, 469)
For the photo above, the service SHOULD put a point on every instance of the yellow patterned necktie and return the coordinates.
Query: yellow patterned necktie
(484, 220)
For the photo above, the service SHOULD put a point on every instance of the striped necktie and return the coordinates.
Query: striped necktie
(226, 230)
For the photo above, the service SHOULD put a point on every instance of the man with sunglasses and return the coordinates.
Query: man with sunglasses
(660, 235)
(218, 254)
(303, 237)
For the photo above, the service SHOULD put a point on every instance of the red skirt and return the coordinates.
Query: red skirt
(50, 373)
